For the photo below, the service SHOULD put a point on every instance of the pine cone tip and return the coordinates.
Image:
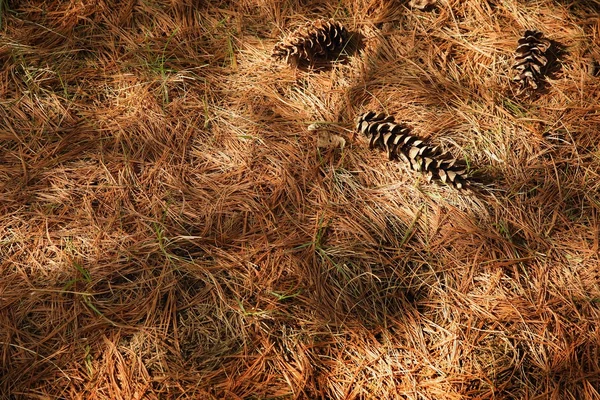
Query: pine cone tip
(422, 4)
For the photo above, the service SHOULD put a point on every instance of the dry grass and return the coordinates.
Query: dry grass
(169, 228)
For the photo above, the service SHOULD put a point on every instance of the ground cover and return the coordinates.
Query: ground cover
(169, 227)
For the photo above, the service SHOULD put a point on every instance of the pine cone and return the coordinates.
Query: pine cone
(595, 68)
(326, 138)
(531, 59)
(421, 4)
(316, 41)
(399, 143)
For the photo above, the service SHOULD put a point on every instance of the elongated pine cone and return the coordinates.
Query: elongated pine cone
(314, 42)
(399, 143)
(530, 59)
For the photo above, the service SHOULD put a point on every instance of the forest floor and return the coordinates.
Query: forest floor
(170, 229)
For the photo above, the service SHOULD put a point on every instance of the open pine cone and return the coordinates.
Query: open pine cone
(317, 41)
(399, 143)
(530, 59)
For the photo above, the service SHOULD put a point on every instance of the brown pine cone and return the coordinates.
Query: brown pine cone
(421, 4)
(530, 59)
(399, 143)
(317, 41)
